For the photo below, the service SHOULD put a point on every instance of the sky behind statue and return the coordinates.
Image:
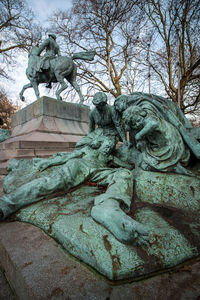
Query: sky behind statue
(43, 8)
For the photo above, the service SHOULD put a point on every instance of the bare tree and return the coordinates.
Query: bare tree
(111, 27)
(7, 109)
(174, 50)
(18, 31)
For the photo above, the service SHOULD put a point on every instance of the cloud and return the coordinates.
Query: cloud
(44, 8)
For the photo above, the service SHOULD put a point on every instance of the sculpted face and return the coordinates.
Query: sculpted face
(100, 105)
(134, 117)
(107, 147)
(100, 100)
(120, 105)
(137, 121)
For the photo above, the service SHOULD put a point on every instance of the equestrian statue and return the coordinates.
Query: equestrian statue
(52, 67)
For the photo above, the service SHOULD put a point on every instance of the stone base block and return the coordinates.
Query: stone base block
(44, 127)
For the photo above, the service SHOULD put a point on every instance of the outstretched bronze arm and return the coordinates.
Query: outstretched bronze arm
(58, 160)
(149, 125)
(119, 163)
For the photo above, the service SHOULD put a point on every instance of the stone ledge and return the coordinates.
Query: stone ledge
(40, 145)
(37, 268)
(46, 106)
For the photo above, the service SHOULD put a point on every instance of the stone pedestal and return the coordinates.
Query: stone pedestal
(42, 128)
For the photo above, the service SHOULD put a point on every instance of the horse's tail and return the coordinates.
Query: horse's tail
(87, 55)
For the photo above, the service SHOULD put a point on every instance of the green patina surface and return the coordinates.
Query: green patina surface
(4, 134)
(124, 223)
(174, 227)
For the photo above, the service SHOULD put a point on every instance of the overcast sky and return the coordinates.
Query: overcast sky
(44, 8)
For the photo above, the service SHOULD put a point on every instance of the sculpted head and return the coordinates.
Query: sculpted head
(120, 103)
(100, 100)
(134, 117)
(100, 143)
(103, 144)
(107, 146)
(34, 50)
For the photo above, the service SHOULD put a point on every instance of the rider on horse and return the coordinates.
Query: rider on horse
(52, 49)
(52, 67)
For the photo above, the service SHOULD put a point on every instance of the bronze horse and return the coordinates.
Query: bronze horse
(61, 67)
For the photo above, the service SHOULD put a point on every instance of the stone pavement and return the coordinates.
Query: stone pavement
(36, 267)
(5, 290)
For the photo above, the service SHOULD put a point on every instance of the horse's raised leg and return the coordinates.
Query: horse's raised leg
(63, 84)
(26, 86)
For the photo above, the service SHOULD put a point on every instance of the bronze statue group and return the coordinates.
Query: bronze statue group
(159, 134)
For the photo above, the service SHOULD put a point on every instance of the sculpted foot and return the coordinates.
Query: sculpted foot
(131, 231)
(123, 227)
(59, 97)
(136, 233)
(22, 98)
(181, 170)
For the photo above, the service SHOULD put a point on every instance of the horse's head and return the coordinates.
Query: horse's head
(34, 51)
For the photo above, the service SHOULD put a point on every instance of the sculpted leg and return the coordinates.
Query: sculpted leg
(29, 193)
(108, 208)
(26, 86)
(72, 80)
(36, 90)
(77, 88)
(67, 176)
(63, 84)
